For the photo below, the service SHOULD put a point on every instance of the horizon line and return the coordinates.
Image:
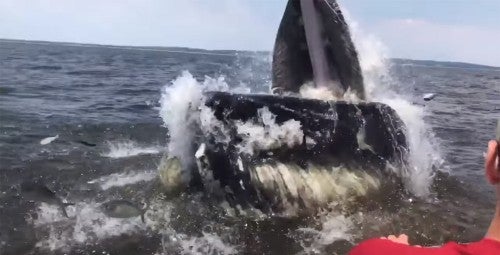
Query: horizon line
(204, 51)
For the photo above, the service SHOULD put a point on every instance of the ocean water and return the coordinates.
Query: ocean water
(101, 106)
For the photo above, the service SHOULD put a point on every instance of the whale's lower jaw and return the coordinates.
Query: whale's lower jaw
(275, 153)
(288, 189)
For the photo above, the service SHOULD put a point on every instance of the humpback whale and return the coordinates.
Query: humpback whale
(273, 152)
(314, 44)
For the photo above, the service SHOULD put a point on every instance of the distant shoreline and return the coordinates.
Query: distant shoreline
(441, 64)
(187, 50)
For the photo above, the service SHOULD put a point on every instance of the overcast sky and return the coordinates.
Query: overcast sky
(455, 30)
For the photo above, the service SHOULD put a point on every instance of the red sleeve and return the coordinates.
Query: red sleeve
(385, 247)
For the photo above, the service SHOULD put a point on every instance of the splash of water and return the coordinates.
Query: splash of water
(86, 225)
(380, 86)
(182, 99)
(206, 244)
(123, 179)
(268, 134)
(127, 148)
(334, 227)
(179, 110)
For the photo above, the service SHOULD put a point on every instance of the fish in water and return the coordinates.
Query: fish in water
(48, 140)
(122, 209)
(429, 96)
(37, 191)
(86, 143)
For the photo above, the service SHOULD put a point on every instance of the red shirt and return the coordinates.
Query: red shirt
(386, 247)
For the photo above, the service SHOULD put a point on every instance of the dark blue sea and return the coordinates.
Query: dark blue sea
(85, 120)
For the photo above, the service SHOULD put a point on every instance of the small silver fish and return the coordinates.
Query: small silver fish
(48, 140)
(89, 144)
(429, 96)
(122, 209)
(36, 191)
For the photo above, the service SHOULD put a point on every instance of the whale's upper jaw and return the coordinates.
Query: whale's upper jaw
(292, 63)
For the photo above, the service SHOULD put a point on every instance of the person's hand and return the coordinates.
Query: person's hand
(402, 239)
(491, 164)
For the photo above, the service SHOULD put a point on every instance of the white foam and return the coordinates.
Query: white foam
(334, 227)
(424, 153)
(48, 213)
(180, 102)
(175, 242)
(48, 140)
(86, 225)
(127, 148)
(184, 113)
(379, 87)
(324, 93)
(206, 244)
(211, 125)
(267, 134)
(122, 179)
(309, 91)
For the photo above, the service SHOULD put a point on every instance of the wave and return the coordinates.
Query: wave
(135, 91)
(334, 227)
(179, 104)
(91, 72)
(124, 149)
(87, 226)
(122, 179)
(206, 244)
(6, 90)
(48, 68)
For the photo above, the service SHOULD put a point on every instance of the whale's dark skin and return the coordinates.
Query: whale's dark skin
(292, 68)
(334, 126)
(313, 44)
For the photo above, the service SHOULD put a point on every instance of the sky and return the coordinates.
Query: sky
(449, 30)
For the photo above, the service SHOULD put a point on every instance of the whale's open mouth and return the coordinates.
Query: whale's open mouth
(274, 152)
(313, 44)
(269, 152)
